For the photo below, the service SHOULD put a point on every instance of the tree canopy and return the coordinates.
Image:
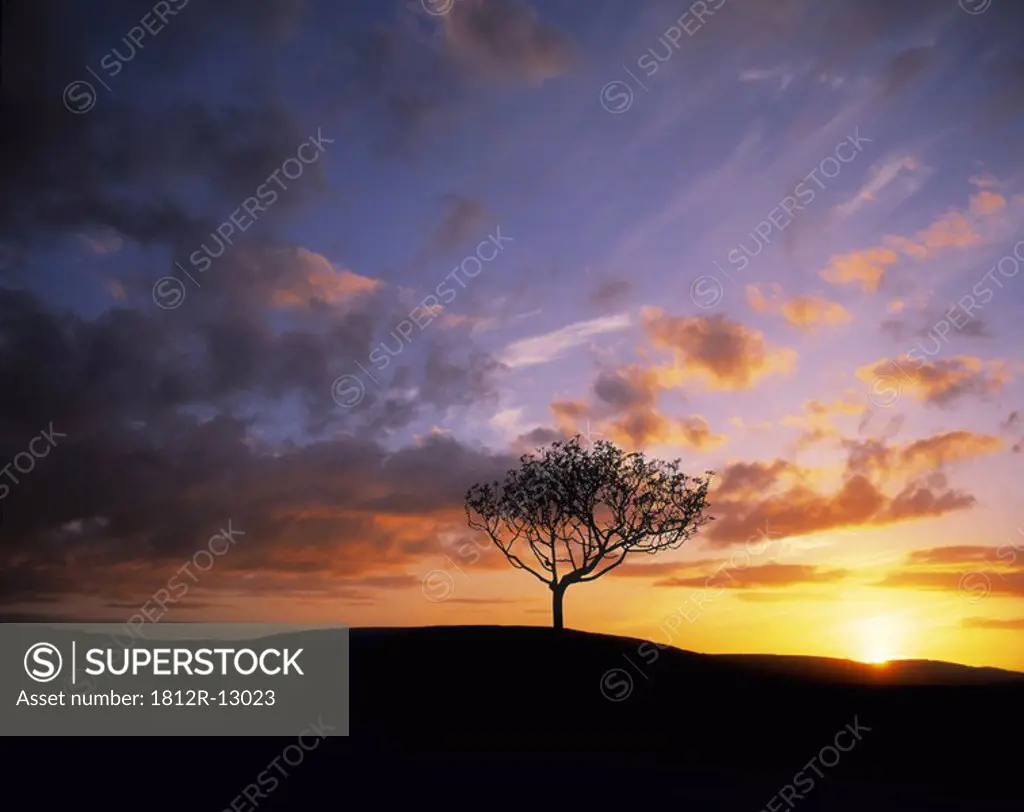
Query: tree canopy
(574, 511)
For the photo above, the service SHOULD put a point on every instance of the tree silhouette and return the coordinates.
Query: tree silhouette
(581, 510)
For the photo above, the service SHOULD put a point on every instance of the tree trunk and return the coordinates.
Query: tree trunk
(558, 617)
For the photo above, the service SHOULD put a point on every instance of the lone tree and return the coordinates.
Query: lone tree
(579, 511)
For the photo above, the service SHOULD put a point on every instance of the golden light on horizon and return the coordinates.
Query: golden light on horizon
(879, 639)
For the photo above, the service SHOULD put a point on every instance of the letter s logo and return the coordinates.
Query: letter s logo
(39, 662)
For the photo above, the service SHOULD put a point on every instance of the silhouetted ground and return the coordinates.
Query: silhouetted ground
(481, 717)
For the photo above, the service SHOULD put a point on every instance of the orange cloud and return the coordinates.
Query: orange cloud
(801, 511)
(954, 229)
(455, 321)
(749, 480)
(818, 419)
(942, 381)
(956, 554)
(626, 408)
(875, 458)
(319, 280)
(647, 427)
(1003, 584)
(656, 569)
(952, 446)
(811, 312)
(865, 268)
(759, 303)
(972, 570)
(568, 414)
(786, 597)
(724, 354)
(1013, 624)
(773, 575)
(882, 486)
(907, 246)
(817, 408)
(986, 202)
(803, 312)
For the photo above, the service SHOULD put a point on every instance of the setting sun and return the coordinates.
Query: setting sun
(878, 639)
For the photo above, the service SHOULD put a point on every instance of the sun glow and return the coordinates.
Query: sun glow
(879, 639)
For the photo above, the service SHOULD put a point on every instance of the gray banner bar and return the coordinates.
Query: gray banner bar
(179, 679)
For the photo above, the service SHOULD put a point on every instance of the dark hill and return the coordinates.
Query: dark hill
(515, 717)
(515, 690)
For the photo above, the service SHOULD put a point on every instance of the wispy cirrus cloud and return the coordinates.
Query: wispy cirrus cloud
(783, 74)
(543, 349)
(883, 175)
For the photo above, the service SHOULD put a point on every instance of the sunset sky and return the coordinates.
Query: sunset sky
(778, 239)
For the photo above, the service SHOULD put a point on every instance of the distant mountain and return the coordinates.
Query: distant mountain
(894, 672)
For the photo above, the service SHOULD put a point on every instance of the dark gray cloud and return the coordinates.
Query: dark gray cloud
(178, 420)
(622, 392)
(921, 327)
(537, 438)
(124, 164)
(1014, 426)
(505, 39)
(463, 220)
(907, 68)
(610, 293)
(114, 515)
(162, 161)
